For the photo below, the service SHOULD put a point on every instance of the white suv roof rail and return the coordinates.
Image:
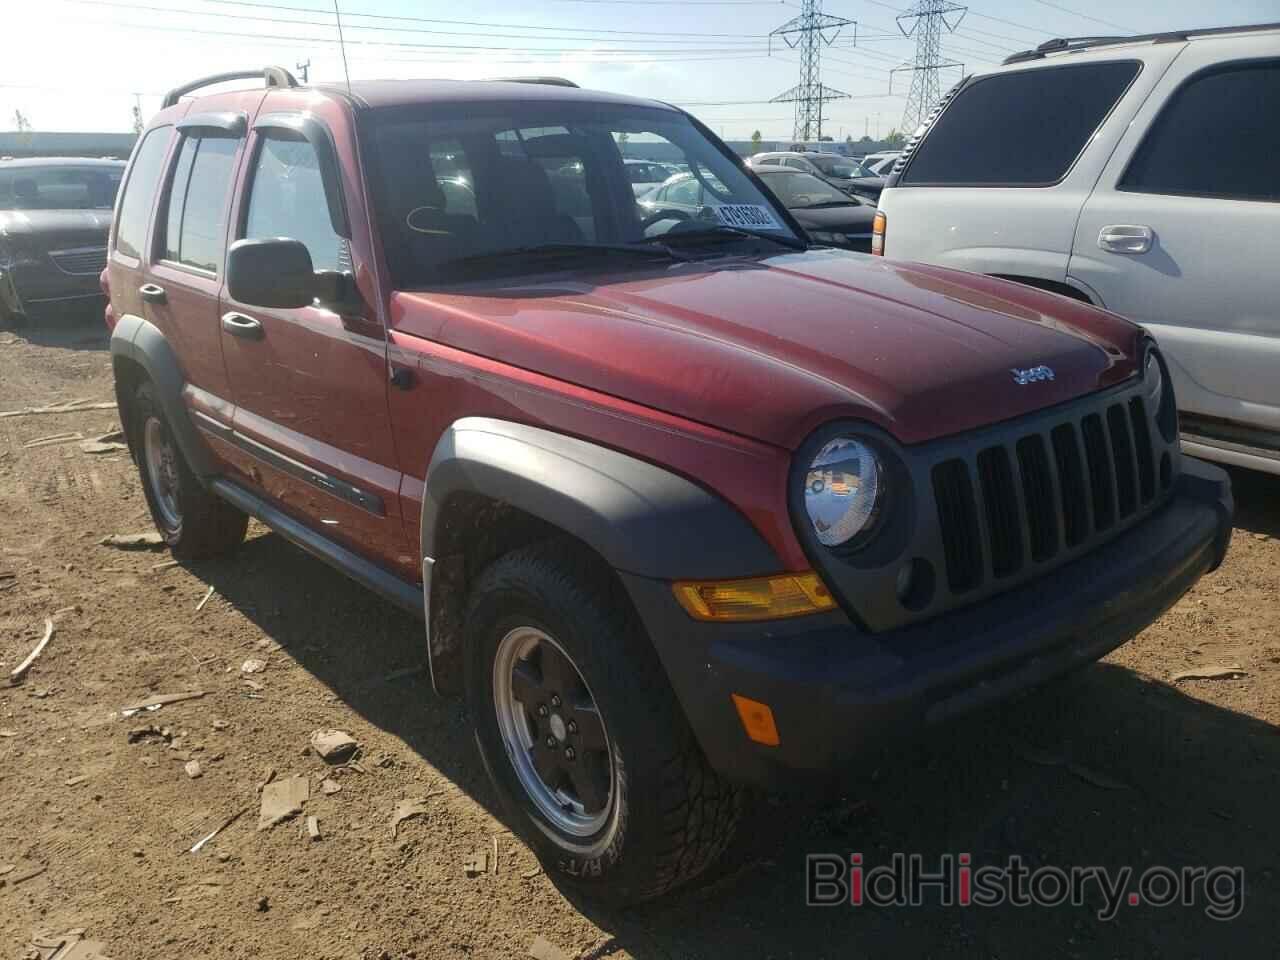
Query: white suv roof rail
(1061, 44)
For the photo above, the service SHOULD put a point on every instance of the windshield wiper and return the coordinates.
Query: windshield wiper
(723, 232)
(557, 249)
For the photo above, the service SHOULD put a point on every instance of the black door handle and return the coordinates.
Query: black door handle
(152, 293)
(238, 325)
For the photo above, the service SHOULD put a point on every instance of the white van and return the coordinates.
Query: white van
(1140, 174)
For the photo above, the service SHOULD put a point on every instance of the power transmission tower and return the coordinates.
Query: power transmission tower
(808, 33)
(304, 69)
(930, 19)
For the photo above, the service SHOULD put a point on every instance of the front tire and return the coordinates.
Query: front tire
(581, 732)
(193, 521)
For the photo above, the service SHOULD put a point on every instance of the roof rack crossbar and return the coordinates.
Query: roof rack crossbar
(274, 77)
(1166, 36)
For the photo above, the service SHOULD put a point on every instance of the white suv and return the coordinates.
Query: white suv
(1141, 174)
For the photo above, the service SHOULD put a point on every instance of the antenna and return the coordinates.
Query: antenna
(342, 46)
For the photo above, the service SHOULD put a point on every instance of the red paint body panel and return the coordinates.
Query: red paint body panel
(772, 348)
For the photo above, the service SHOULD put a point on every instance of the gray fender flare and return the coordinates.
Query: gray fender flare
(640, 518)
(143, 343)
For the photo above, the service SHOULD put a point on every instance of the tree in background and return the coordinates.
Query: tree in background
(20, 121)
(896, 139)
(622, 142)
(756, 139)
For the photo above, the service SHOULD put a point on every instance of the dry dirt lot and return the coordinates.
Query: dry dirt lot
(1118, 765)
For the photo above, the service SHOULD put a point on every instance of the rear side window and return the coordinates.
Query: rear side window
(196, 221)
(287, 199)
(1218, 136)
(1022, 129)
(139, 194)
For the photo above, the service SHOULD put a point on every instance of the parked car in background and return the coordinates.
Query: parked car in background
(645, 175)
(1137, 174)
(848, 175)
(684, 194)
(681, 511)
(828, 215)
(54, 217)
(881, 164)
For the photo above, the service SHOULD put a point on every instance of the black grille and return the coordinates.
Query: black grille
(1030, 498)
(87, 261)
(958, 515)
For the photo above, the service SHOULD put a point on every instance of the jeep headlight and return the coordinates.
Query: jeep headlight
(843, 490)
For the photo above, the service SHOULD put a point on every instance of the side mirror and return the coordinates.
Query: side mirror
(271, 273)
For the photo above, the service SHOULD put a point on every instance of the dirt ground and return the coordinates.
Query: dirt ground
(1118, 765)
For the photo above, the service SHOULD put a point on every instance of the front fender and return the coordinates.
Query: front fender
(640, 518)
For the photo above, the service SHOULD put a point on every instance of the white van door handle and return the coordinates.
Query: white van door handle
(1125, 238)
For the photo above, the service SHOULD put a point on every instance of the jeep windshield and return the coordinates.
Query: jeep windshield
(458, 187)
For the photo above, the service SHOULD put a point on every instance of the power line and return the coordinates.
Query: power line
(1084, 16)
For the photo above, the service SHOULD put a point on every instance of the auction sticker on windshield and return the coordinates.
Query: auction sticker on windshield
(746, 215)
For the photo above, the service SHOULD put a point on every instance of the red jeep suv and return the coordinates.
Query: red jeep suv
(685, 502)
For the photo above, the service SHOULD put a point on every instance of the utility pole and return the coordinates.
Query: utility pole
(304, 69)
(929, 20)
(808, 33)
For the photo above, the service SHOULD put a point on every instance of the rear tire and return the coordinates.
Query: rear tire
(573, 711)
(193, 521)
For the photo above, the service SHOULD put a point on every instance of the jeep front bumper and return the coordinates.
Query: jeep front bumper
(835, 690)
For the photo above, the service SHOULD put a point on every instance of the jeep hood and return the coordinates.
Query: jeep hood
(772, 348)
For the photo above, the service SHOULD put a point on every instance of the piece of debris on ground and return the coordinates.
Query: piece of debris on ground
(329, 787)
(407, 810)
(199, 844)
(313, 828)
(204, 599)
(21, 669)
(133, 541)
(69, 945)
(159, 700)
(194, 770)
(1209, 673)
(476, 864)
(544, 949)
(253, 665)
(333, 746)
(282, 800)
(149, 733)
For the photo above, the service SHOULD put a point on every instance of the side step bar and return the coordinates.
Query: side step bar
(1227, 451)
(407, 596)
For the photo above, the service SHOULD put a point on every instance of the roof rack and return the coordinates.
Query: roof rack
(1059, 44)
(550, 81)
(274, 76)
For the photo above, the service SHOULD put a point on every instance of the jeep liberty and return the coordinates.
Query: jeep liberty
(686, 504)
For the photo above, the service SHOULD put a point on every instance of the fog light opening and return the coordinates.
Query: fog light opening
(915, 584)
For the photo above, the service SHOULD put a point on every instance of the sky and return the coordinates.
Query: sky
(82, 65)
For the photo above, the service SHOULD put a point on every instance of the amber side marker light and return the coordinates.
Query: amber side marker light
(757, 720)
(757, 598)
(877, 235)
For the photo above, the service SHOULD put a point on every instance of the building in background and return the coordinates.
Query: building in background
(30, 143)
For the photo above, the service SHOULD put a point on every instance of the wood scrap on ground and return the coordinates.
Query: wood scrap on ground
(21, 669)
(71, 406)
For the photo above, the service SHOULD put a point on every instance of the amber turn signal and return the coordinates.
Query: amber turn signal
(758, 598)
(757, 720)
(877, 235)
